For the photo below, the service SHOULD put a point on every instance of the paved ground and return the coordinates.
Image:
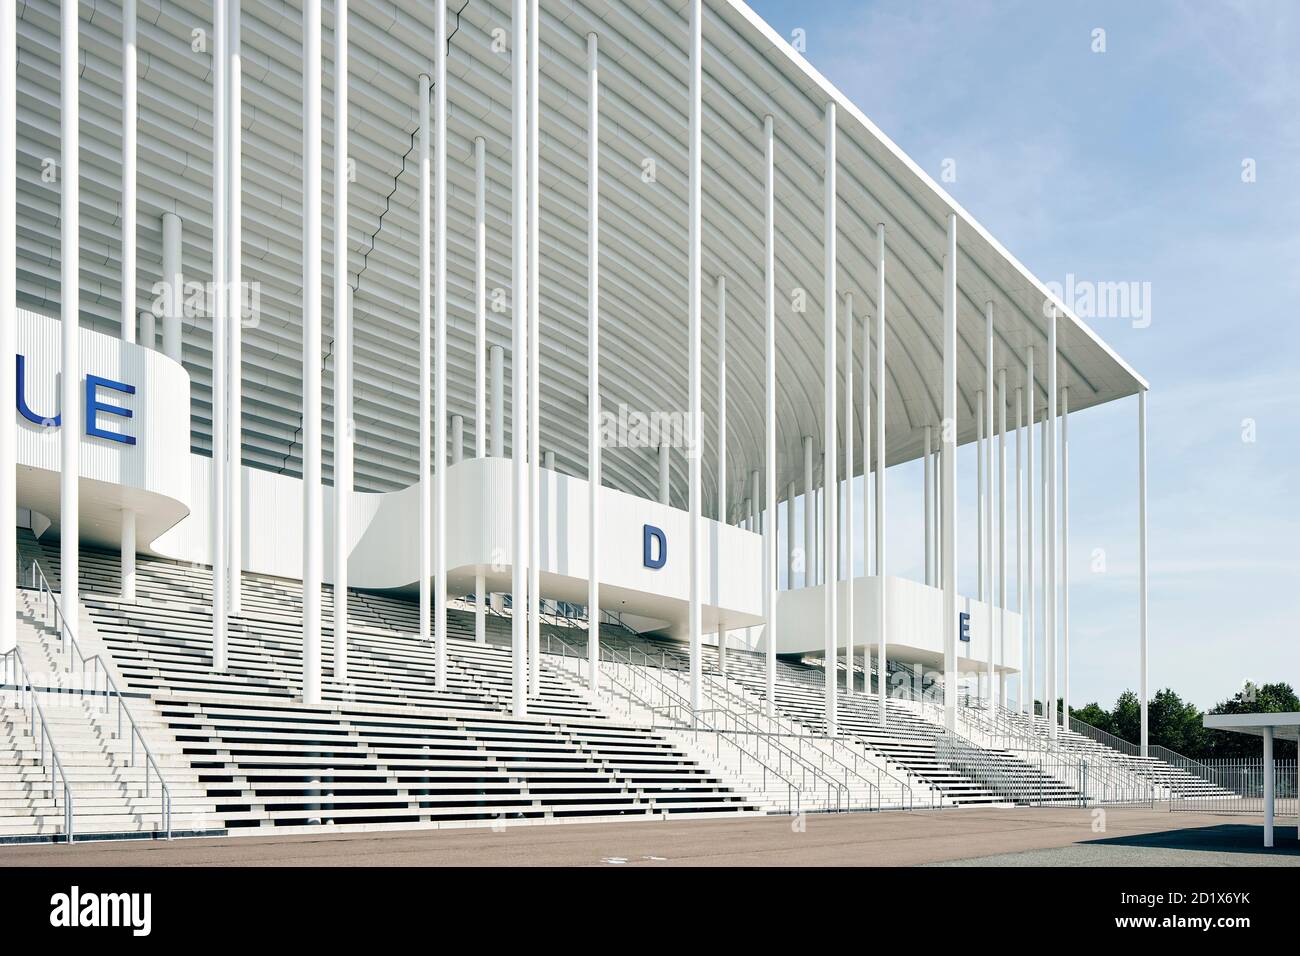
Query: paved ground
(993, 836)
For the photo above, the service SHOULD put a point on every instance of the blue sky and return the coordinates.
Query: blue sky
(1127, 165)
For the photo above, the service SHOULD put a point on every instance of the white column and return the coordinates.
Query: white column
(440, 343)
(1142, 560)
(664, 487)
(70, 312)
(174, 277)
(424, 479)
(8, 321)
(128, 252)
(929, 508)
(789, 535)
(534, 353)
(1021, 683)
(829, 372)
(235, 314)
(987, 513)
(1268, 782)
(148, 330)
(1029, 621)
(342, 349)
(220, 518)
(849, 518)
(1002, 534)
(882, 618)
(312, 512)
(593, 364)
(1049, 527)
(519, 354)
(980, 570)
(769, 304)
(948, 478)
(755, 502)
(1044, 567)
(694, 152)
(722, 400)
(809, 516)
(1065, 557)
(480, 302)
(497, 361)
(457, 439)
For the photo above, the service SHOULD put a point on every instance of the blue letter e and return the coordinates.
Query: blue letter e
(648, 557)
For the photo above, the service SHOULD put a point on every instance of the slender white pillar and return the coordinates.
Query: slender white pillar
(989, 550)
(593, 364)
(343, 436)
(1045, 568)
(694, 152)
(789, 535)
(1002, 534)
(174, 290)
(457, 439)
(1065, 557)
(519, 353)
(1020, 543)
(534, 353)
(497, 362)
(769, 457)
(70, 312)
(1269, 784)
(1029, 621)
(755, 502)
(235, 313)
(312, 511)
(128, 252)
(220, 518)
(423, 480)
(480, 301)
(722, 400)
(882, 616)
(148, 330)
(1142, 560)
(830, 372)
(948, 478)
(1049, 527)
(809, 516)
(664, 486)
(928, 480)
(980, 570)
(849, 518)
(440, 343)
(8, 321)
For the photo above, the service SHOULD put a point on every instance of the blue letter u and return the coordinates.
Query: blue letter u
(23, 410)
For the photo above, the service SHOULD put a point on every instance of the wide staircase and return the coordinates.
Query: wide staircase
(387, 748)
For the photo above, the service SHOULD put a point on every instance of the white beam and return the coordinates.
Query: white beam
(534, 194)
(220, 523)
(343, 436)
(769, 308)
(1269, 784)
(1049, 527)
(593, 367)
(829, 373)
(849, 517)
(1143, 578)
(1002, 533)
(1065, 557)
(312, 511)
(70, 311)
(948, 478)
(8, 321)
(1029, 620)
(129, 112)
(423, 480)
(480, 301)
(519, 352)
(440, 344)
(1021, 683)
(882, 618)
(695, 621)
(235, 314)
(722, 400)
(987, 513)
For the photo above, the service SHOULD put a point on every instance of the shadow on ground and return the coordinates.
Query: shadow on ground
(1225, 838)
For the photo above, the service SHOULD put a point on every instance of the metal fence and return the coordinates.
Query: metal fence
(1237, 786)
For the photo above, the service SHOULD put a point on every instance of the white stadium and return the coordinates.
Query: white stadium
(484, 414)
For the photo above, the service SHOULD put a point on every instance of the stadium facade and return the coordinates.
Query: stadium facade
(418, 325)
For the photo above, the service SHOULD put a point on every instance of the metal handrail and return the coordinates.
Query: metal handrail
(38, 713)
(794, 797)
(99, 667)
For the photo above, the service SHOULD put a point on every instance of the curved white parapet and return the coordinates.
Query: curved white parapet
(135, 431)
(383, 550)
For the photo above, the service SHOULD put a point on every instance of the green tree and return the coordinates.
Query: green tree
(1276, 698)
(1092, 714)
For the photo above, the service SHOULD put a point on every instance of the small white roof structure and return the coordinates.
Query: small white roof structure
(1285, 726)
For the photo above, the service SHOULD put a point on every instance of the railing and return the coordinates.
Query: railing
(685, 720)
(1236, 785)
(1103, 737)
(12, 660)
(1012, 782)
(100, 673)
